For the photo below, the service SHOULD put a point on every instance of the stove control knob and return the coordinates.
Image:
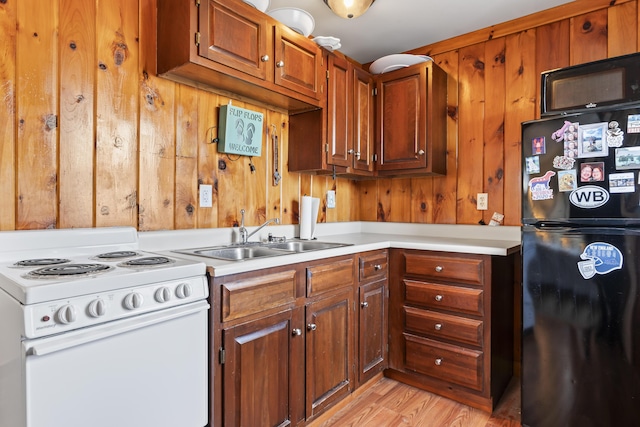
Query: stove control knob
(66, 314)
(183, 290)
(162, 294)
(97, 308)
(133, 300)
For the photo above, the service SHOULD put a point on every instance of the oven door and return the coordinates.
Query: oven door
(150, 370)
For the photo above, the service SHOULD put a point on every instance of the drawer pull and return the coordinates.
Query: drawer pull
(439, 268)
(311, 327)
(364, 304)
(438, 362)
(438, 326)
(377, 267)
(296, 332)
(439, 298)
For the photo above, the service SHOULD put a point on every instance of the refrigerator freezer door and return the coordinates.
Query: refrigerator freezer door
(566, 176)
(581, 327)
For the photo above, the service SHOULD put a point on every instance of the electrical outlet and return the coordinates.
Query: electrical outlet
(482, 201)
(206, 196)
(331, 199)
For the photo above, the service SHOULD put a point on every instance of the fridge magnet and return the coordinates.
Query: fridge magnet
(622, 182)
(591, 140)
(627, 158)
(615, 136)
(539, 187)
(589, 197)
(567, 180)
(533, 164)
(571, 148)
(568, 132)
(538, 145)
(590, 172)
(599, 258)
(563, 162)
(633, 123)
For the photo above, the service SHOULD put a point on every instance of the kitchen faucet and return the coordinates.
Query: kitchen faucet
(244, 233)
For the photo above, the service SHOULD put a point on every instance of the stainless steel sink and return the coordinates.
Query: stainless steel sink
(234, 253)
(240, 252)
(303, 245)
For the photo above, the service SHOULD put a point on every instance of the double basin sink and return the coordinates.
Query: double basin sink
(240, 251)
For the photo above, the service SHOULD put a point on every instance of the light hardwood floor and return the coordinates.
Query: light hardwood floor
(388, 403)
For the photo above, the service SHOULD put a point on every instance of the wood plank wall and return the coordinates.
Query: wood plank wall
(90, 137)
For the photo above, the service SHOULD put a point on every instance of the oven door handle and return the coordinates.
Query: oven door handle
(48, 345)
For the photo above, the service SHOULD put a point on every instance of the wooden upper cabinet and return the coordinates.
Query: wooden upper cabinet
(339, 117)
(363, 121)
(240, 39)
(230, 46)
(297, 62)
(412, 119)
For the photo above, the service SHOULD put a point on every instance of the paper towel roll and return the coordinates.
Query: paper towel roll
(308, 216)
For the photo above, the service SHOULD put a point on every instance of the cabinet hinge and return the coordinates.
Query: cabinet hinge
(374, 157)
(198, 3)
(326, 148)
(374, 92)
(222, 356)
(327, 74)
(197, 39)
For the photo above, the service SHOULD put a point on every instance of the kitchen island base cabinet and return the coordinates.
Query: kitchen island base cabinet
(451, 324)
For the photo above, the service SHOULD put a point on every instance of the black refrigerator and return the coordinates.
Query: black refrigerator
(581, 270)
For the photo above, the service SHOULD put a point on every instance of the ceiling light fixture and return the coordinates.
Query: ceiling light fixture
(349, 8)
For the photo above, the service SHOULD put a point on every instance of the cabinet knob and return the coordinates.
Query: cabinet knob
(439, 298)
(280, 64)
(438, 326)
(357, 154)
(377, 267)
(420, 152)
(296, 332)
(438, 362)
(350, 151)
(264, 58)
(439, 268)
(311, 327)
(364, 304)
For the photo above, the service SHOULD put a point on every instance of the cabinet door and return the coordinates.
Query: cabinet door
(238, 36)
(363, 120)
(298, 61)
(339, 135)
(372, 337)
(329, 351)
(401, 106)
(263, 371)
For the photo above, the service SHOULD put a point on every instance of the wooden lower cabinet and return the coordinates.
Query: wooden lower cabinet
(284, 339)
(451, 324)
(329, 351)
(261, 370)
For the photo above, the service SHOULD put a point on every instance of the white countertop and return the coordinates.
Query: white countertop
(360, 236)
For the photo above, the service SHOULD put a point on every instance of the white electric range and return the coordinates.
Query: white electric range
(90, 324)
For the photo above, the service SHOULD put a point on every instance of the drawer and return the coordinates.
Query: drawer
(444, 326)
(450, 363)
(372, 266)
(467, 270)
(325, 277)
(248, 296)
(444, 297)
